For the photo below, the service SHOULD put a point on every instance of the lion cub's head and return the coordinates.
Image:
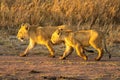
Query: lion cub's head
(59, 35)
(23, 32)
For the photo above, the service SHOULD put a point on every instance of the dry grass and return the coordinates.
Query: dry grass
(55, 12)
(99, 14)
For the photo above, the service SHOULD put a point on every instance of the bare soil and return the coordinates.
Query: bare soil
(39, 66)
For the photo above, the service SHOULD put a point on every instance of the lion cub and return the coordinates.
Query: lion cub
(37, 35)
(78, 40)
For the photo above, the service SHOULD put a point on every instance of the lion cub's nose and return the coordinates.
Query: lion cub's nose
(22, 38)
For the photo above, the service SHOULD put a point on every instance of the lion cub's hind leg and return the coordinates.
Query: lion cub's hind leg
(50, 48)
(100, 54)
(99, 49)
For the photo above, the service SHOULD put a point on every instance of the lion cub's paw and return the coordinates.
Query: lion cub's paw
(53, 56)
(61, 58)
(23, 55)
(85, 58)
(97, 59)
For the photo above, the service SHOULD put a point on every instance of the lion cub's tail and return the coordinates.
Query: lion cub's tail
(106, 48)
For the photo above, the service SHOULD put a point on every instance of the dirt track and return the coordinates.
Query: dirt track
(38, 66)
(46, 68)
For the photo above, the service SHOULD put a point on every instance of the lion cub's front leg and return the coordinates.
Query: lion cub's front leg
(80, 52)
(67, 52)
(30, 46)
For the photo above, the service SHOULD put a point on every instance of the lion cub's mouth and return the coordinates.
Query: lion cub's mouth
(21, 39)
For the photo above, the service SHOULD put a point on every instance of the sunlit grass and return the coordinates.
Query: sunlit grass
(55, 12)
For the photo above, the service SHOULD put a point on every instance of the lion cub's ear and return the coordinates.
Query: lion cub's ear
(27, 26)
(21, 25)
(59, 32)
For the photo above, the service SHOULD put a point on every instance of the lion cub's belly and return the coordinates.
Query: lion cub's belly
(85, 43)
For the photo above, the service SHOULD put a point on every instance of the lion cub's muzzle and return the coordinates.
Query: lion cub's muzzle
(21, 39)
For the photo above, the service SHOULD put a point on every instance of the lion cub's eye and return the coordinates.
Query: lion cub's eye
(27, 28)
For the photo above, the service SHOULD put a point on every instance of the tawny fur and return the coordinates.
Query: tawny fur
(80, 39)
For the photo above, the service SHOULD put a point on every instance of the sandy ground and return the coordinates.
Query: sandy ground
(39, 66)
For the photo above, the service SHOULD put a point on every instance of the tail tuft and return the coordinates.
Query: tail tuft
(109, 56)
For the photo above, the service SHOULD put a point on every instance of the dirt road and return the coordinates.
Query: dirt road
(35, 67)
(38, 66)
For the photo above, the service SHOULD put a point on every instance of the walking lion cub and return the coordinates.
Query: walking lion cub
(78, 40)
(37, 35)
